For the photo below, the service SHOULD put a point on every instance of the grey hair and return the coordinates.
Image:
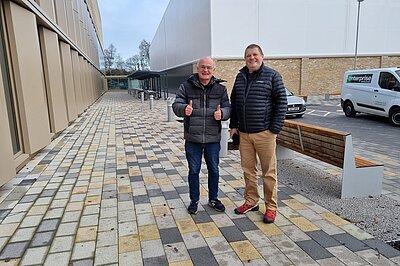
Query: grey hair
(206, 57)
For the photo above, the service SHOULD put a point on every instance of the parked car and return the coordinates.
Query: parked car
(296, 105)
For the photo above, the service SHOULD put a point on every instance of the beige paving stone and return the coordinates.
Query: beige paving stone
(245, 250)
(148, 232)
(269, 229)
(356, 232)
(304, 224)
(209, 229)
(92, 200)
(62, 243)
(228, 203)
(80, 190)
(86, 234)
(294, 204)
(128, 243)
(161, 211)
(38, 210)
(74, 206)
(7, 230)
(181, 263)
(333, 218)
(124, 189)
(11, 262)
(59, 259)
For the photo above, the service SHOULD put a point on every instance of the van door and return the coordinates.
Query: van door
(388, 90)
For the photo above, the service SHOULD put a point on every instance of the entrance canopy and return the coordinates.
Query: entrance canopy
(142, 75)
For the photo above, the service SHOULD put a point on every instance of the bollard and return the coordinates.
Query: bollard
(142, 96)
(327, 96)
(170, 112)
(224, 138)
(151, 101)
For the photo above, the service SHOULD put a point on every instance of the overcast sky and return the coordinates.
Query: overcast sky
(127, 22)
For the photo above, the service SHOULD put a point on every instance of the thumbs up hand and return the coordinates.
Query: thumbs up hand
(218, 113)
(189, 108)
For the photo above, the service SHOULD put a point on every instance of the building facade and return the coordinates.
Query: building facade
(51, 55)
(312, 43)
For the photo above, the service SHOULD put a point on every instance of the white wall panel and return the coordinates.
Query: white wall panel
(283, 28)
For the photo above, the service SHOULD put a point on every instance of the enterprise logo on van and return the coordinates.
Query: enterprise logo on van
(359, 78)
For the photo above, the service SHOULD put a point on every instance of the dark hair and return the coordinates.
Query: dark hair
(252, 46)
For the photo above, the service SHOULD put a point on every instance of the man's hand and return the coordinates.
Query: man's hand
(218, 113)
(233, 132)
(189, 108)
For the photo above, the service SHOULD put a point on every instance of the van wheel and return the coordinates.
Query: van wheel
(348, 109)
(394, 117)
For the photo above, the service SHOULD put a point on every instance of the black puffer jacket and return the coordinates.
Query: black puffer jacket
(201, 127)
(258, 101)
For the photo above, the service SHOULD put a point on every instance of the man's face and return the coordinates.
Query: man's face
(254, 59)
(205, 70)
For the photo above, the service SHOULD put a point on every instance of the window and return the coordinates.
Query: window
(388, 81)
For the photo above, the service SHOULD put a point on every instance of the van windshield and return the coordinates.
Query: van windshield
(398, 73)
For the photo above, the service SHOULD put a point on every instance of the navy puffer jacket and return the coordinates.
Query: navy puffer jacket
(258, 103)
(201, 126)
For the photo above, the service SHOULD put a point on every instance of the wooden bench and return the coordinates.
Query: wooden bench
(360, 177)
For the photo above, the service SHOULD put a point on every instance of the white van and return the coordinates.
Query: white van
(372, 91)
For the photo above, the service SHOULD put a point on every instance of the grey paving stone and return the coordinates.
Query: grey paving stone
(156, 261)
(182, 190)
(154, 192)
(313, 249)
(202, 256)
(42, 239)
(3, 214)
(29, 198)
(13, 250)
(232, 234)
(171, 195)
(27, 182)
(141, 199)
(125, 197)
(202, 217)
(48, 193)
(48, 225)
(170, 235)
(288, 190)
(350, 242)
(323, 238)
(382, 248)
(244, 224)
(136, 178)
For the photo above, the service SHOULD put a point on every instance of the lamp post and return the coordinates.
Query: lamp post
(358, 25)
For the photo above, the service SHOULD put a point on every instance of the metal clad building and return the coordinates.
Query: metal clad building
(303, 39)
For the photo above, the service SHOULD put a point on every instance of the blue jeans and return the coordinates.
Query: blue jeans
(194, 152)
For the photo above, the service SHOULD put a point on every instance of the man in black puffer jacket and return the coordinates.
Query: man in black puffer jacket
(259, 106)
(203, 102)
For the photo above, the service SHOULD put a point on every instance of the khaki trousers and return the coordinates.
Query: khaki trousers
(263, 145)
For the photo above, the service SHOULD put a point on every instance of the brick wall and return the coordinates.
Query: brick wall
(309, 76)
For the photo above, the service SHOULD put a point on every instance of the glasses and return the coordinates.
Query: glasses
(206, 67)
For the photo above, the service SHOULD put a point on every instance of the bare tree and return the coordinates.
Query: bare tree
(144, 48)
(133, 63)
(119, 62)
(109, 58)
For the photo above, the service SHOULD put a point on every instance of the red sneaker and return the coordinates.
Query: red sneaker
(269, 216)
(245, 208)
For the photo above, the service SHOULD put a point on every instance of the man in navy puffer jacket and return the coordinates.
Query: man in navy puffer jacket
(203, 102)
(259, 106)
